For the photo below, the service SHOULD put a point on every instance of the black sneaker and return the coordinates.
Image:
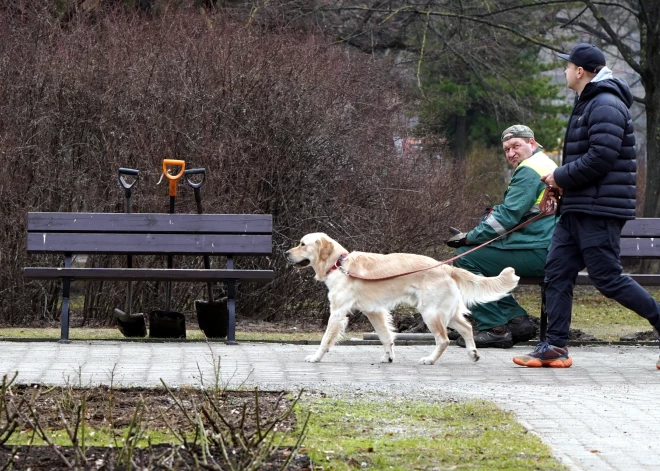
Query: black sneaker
(522, 329)
(497, 337)
(452, 334)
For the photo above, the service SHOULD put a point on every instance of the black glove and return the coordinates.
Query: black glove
(485, 215)
(459, 240)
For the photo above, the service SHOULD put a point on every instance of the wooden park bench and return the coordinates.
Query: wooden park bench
(226, 235)
(640, 239)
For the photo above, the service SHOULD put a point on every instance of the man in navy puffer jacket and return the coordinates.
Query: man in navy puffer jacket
(597, 186)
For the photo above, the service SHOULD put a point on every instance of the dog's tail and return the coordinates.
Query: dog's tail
(480, 289)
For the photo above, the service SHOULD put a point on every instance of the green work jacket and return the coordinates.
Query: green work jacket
(521, 202)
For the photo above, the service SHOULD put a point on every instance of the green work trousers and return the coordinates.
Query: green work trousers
(489, 261)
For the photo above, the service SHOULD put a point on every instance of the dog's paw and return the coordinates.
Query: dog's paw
(474, 355)
(314, 358)
(387, 358)
(426, 361)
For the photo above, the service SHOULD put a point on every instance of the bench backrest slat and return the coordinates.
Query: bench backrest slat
(150, 223)
(641, 227)
(149, 234)
(154, 244)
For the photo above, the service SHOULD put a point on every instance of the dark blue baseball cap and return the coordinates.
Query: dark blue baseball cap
(586, 56)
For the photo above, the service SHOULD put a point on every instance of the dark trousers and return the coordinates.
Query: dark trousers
(579, 241)
(490, 261)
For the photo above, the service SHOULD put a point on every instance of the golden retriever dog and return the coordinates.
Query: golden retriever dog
(441, 294)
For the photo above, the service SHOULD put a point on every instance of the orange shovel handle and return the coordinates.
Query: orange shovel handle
(173, 178)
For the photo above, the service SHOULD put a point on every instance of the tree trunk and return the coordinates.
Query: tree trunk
(460, 138)
(652, 197)
(650, 61)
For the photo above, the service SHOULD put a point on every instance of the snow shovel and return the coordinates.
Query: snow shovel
(212, 316)
(129, 324)
(169, 324)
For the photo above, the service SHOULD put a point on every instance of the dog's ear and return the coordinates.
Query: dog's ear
(326, 249)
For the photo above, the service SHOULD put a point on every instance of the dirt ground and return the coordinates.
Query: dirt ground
(114, 409)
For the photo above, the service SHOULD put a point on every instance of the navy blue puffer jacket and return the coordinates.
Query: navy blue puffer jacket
(598, 173)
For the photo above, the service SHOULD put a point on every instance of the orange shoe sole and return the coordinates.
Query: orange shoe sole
(531, 362)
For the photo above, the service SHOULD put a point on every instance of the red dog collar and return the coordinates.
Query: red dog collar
(337, 264)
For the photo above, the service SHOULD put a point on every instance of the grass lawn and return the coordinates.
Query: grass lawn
(105, 333)
(400, 435)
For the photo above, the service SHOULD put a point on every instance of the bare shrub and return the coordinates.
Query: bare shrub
(210, 428)
(284, 122)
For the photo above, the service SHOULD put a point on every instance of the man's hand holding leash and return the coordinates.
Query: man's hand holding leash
(549, 180)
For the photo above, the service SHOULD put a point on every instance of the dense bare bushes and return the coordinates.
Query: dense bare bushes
(284, 123)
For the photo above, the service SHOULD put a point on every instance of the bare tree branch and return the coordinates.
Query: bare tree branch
(525, 6)
(473, 19)
(586, 27)
(574, 19)
(627, 53)
(552, 3)
(618, 5)
(643, 101)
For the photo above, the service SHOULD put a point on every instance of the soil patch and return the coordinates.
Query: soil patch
(644, 336)
(158, 457)
(242, 412)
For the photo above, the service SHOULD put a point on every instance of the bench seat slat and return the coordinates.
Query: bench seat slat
(151, 223)
(148, 274)
(583, 279)
(149, 244)
(642, 247)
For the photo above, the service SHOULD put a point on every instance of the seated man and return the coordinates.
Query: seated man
(504, 323)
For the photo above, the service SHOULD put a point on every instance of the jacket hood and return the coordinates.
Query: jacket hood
(605, 82)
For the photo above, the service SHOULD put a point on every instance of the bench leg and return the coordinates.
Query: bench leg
(231, 310)
(64, 318)
(231, 305)
(544, 315)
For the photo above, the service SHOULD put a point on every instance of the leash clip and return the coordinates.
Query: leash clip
(337, 264)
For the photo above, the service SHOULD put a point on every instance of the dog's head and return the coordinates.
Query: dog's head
(315, 250)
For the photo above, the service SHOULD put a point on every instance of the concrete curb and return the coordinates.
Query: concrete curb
(345, 342)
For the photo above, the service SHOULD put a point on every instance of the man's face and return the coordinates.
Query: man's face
(572, 75)
(517, 149)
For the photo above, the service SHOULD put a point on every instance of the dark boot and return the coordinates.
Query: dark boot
(497, 337)
(452, 334)
(522, 329)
